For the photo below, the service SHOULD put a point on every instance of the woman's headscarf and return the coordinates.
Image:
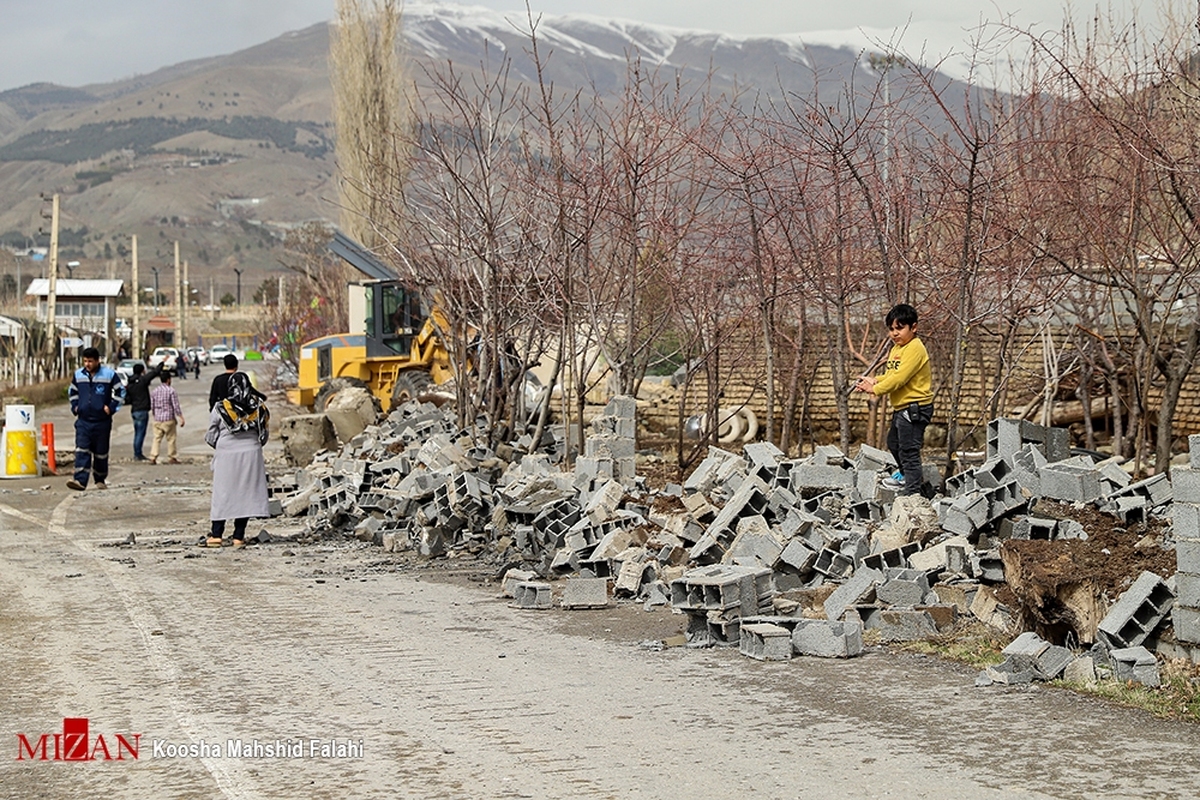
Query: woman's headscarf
(243, 408)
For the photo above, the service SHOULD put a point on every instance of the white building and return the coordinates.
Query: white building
(88, 307)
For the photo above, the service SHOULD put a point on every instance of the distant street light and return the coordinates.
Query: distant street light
(239, 286)
(155, 271)
(71, 265)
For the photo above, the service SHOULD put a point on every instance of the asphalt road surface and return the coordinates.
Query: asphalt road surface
(336, 670)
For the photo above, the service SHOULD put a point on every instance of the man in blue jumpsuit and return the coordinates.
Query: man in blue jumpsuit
(96, 393)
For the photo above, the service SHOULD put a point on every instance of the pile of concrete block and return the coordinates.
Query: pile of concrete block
(747, 533)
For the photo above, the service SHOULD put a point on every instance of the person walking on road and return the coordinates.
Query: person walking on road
(137, 395)
(220, 384)
(238, 427)
(95, 394)
(164, 407)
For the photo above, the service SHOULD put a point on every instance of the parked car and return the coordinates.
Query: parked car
(125, 368)
(219, 351)
(168, 357)
(198, 353)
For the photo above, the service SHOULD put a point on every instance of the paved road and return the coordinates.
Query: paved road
(451, 693)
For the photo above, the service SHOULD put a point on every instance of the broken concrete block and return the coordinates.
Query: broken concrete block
(903, 587)
(508, 584)
(1070, 482)
(944, 615)
(750, 499)
(764, 641)
(988, 610)
(1081, 670)
(305, 435)
(872, 459)
(1031, 653)
(827, 638)
(1135, 664)
(350, 411)
(585, 593)
(894, 558)
(859, 588)
(755, 544)
(1137, 612)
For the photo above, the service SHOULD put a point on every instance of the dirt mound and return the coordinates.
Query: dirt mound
(1062, 589)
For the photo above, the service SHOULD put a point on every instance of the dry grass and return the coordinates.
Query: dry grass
(39, 394)
(970, 643)
(1177, 698)
(979, 646)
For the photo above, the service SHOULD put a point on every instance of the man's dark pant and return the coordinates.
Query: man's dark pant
(904, 440)
(141, 420)
(91, 449)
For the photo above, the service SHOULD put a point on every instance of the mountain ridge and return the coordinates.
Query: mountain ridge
(241, 109)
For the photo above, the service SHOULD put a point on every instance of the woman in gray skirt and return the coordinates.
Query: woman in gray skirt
(238, 428)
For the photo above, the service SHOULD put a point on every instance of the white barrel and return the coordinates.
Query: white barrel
(20, 441)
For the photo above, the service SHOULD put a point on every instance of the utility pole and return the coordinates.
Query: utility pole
(212, 306)
(239, 287)
(135, 348)
(178, 306)
(51, 297)
(187, 299)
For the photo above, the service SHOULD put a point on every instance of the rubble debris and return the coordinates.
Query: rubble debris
(1017, 542)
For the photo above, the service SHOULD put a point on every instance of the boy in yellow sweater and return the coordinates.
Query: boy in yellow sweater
(908, 383)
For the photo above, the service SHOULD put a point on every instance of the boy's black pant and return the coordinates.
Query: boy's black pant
(905, 438)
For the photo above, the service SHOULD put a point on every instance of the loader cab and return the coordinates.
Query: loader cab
(392, 317)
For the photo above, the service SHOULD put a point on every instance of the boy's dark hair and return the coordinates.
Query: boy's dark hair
(90, 352)
(138, 369)
(902, 313)
(231, 361)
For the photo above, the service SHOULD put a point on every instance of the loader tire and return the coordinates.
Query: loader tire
(410, 385)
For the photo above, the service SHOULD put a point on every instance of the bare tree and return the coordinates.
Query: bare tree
(369, 112)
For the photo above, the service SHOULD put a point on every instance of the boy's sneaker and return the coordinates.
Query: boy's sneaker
(76, 485)
(894, 482)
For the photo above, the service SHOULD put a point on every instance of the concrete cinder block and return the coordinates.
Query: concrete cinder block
(858, 588)
(817, 476)
(1187, 624)
(585, 593)
(765, 641)
(532, 594)
(723, 587)
(827, 638)
(903, 625)
(1186, 519)
(894, 558)
(1187, 589)
(1070, 483)
(1135, 664)
(1029, 652)
(799, 556)
(903, 587)
(872, 459)
(1187, 555)
(1185, 484)
(1137, 612)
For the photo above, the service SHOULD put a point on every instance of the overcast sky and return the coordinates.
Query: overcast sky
(77, 42)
